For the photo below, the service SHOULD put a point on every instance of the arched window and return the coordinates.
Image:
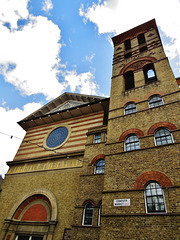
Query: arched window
(88, 214)
(155, 100)
(130, 108)
(132, 142)
(163, 136)
(99, 215)
(99, 166)
(129, 80)
(149, 73)
(154, 198)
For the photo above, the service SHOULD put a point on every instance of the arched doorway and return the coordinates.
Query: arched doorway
(33, 217)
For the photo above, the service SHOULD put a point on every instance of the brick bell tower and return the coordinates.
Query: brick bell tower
(142, 181)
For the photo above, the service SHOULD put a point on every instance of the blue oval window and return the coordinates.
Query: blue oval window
(57, 137)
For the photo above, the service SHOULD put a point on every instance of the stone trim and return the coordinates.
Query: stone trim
(40, 191)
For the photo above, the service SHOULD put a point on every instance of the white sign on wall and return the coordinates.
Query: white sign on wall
(121, 202)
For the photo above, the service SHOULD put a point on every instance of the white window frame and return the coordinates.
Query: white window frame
(96, 168)
(146, 201)
(105, 136)
(125, 143)
(99, 215)
(165, 143)
(84, 215)
(127, 105)
(155, 96)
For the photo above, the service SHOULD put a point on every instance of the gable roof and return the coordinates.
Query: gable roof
(63, 107)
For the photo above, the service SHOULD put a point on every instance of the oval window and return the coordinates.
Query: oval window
(57, 137)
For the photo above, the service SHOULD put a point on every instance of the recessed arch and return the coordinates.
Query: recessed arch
(88, 201)
(96, 158)
(168, 125)
(146, 177)
(137, 64)
(136, 100)
(136, 131)
(40, 191)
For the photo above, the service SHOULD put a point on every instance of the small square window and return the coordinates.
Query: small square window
(97, 138)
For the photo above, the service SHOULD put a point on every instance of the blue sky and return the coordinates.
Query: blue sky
(50, 46)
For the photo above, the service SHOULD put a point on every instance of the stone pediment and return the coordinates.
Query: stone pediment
(64, 101)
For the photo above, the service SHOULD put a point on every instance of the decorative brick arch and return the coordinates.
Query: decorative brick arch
(88, 201)
(152, 176)
(137, 64)
(168, 125)
(136, 131)
(135, 100)
(44, 192)
(158, 92)
(98, 157)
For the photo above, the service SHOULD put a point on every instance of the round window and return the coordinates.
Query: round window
(57, 137)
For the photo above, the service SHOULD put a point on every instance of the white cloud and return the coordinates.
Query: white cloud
(118, 16)
(30, 55)
(47, 5)
(90, 58)
(9, 127)
(13, 10)
(82, 82)
(34, 53)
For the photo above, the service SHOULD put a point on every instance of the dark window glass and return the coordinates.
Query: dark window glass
(127, 55)
(154, 198)
(155, 101)
(141, 39)
(132, 142)
(163, 136)
(99, 166)
(130, 108)
(23, 237)
(127, 44)
(88, 214)
(129, 80)
(37, 238)
(30, 238)
(142, 49)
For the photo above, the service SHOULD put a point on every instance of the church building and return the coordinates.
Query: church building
(97, 168)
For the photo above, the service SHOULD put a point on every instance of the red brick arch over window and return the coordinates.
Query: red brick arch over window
(157, 92)
(135, 100)
(137, 64)
(88, 201)
(136, 131)
(152, 176)
(98, 157)
(168, 125)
